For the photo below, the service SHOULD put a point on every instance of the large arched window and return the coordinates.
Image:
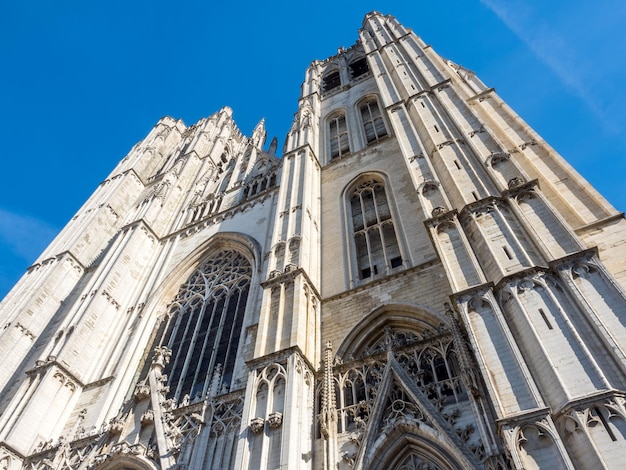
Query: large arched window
(338, 135)
(375, 239)
(204, 324)
(373, 123)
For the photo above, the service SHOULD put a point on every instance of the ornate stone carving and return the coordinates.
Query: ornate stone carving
(116, 425)
(142, 391)
(147, 418)
(438, 211)
(161, 356)
(515, 182)
(256, 425)
(275, 419)
(226, 414)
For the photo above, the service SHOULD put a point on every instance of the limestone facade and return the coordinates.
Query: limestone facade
(419, 282)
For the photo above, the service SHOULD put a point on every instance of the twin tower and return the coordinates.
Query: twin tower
(419, 282)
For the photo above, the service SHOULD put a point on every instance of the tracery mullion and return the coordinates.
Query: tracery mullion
(218, 333)
(179, 340)
(228, 324)
(171, 320)
(237, 323)
(204, 326)
(208, 357)
(380, 227)
(447, 350)
(366, 230)
(192, 323)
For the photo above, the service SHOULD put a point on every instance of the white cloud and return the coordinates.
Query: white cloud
(551, 47)
(25, 237)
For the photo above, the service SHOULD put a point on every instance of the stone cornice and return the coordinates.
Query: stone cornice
(306, 146)
(141, 223)
(50, 362)
(58, 257)
(212, 219)
(482, 95)
(586, 401)
(277, 357)
(524, 416)
(514, 191)
(383, 280)
(599, 223)
(477, 289)
(4, 445)
(290, 276)
(557, 263)
(98, 383)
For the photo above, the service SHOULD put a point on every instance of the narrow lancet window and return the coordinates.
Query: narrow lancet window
(375, 240)
(373, 123)
(338, 133)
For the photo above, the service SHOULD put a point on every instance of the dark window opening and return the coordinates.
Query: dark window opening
(359, 67)
(545, 319)
(605, 424)
(332, 80)
(205, 326)
(395, 262)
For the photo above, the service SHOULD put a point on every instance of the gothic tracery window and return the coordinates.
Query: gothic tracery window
(338, 135)
(429, 358)
(375, 239)
(204, 324)
(373, 123)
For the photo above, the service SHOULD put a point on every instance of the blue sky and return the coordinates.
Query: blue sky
(82, 82)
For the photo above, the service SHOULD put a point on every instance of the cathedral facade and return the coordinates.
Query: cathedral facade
(419, 282)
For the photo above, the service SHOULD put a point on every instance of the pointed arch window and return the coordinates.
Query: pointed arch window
(204, 325)
(375, 240)
(338, 135)
(372, 118)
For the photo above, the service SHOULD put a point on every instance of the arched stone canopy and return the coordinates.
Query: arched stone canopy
(397, 317)
(127, 462)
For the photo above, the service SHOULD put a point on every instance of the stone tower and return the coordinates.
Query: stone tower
(420, 282)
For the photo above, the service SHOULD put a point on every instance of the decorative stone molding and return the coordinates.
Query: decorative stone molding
(480, 130)
(438, 211)
(256, 425)
(275, 419)
(147, 418)
(116, 426)
(515, 182)
(161, 356)
(111, 300)
(25, 331)
(142, 391)
(526, 144)
(496, 158)
(125, 448)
